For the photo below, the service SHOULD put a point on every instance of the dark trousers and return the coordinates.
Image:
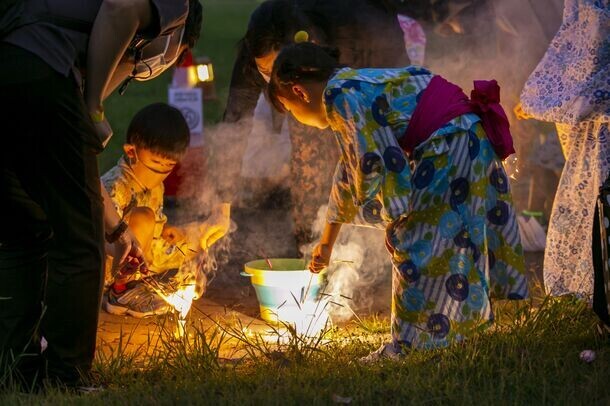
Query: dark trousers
(600, 300)
(51, 222)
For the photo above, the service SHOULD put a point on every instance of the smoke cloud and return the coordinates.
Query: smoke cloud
(359, 275)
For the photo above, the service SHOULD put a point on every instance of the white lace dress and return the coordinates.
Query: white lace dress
(571, 87)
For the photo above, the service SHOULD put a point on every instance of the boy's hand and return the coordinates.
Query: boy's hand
(127, 249)
(172, 234)
(216, 227)
(320, 258)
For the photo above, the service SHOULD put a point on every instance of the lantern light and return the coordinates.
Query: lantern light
(205, 72)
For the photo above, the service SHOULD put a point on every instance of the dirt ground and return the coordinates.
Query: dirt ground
(230, 297)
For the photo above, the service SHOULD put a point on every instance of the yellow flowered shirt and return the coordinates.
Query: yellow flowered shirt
(122, 187)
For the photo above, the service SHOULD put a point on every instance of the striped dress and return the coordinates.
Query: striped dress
(450, 223)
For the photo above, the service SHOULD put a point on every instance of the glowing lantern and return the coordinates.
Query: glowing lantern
(205, 72)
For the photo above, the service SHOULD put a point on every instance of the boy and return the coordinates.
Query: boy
(157, 138)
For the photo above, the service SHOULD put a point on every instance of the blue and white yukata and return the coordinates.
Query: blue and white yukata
(447, 210)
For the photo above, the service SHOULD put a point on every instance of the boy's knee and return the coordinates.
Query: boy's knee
(141, 218)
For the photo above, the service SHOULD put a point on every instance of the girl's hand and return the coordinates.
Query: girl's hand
(320, 258)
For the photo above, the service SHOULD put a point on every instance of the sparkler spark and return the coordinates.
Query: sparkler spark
(181, 301)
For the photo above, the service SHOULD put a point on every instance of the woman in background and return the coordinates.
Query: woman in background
(571, 88)
(365, 32)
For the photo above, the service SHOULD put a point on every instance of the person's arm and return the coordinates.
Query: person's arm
(114, 28)
(126, 245)
(320, 257)
(245, 87)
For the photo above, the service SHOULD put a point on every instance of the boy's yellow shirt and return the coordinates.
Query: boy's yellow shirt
(122, 186)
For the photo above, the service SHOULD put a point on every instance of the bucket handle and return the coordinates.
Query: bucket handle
(247, 275)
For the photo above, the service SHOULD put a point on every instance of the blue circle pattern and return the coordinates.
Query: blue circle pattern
(370, 162)
(457, 287)
(460, 188)
(440, 183)
(371, 211)
(462, 239)
(424, 174)
(476, 297)
(460, 263)
(394, 159)
(378, 109)
(486, 153)
(499, 180)
(438, 325)
(414, 299)
(450, 224)
(420, 253)
(499, 215)
(476, 228)
(409, 271)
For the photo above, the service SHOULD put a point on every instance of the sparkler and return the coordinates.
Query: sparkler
(181, 301)
(267, 260)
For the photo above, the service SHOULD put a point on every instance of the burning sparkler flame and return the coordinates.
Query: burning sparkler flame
(181, 301)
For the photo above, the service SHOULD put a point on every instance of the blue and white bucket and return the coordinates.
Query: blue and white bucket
(287, 292)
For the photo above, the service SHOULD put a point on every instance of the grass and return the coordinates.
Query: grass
(531, 356)
(224, 23)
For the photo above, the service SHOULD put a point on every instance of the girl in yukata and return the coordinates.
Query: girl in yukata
(422, 161)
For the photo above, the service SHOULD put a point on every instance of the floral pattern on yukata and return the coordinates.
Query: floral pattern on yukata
(571, 87)
(314, 153)
(447, 209)
(572, 81)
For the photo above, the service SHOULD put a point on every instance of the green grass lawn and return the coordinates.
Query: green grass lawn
(224, 23)
(529, 357)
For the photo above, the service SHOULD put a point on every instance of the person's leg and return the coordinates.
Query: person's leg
(127, 295)
(568, 259)
(600, 277)
(314, 158)
(24, 230)
(23, 265)
(74, 209)
(55, 148)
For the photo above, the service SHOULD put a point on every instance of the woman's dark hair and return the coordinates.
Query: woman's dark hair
(432, 11)
(272, 25)
(161, 129)
(300, 63)
(192, 26)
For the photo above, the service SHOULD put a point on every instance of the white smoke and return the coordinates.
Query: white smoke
(359, 274)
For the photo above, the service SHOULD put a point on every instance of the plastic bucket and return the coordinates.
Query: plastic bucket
(282, 291)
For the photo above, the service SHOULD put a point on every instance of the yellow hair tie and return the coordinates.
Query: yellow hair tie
(301, 36)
